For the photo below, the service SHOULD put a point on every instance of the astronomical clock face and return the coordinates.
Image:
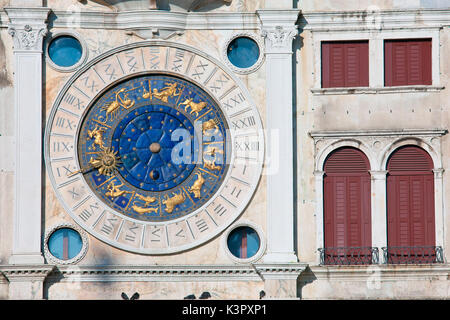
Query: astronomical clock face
(154, 147)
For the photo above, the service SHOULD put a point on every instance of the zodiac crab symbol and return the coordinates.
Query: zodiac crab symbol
(113, 107)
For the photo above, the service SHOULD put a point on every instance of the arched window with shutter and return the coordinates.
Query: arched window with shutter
(410, 206)
(347, 210)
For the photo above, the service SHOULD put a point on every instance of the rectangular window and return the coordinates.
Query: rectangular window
(345, 64)
(407, 62)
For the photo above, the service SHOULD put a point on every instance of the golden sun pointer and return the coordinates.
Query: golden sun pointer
(106, 162)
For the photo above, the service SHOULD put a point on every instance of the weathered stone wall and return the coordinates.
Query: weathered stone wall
(213, 252)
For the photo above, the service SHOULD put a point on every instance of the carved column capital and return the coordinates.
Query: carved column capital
(279, 28)
(28, 27)
(27, 38)
(378, 174)
(279, 39)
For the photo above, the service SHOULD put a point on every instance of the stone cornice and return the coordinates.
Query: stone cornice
(142, 19)
(112, 273)
(289, 271)
(375, 20)
(377, 133)
(380, 272)
(278, 17)
(314, 21)
(26, 272)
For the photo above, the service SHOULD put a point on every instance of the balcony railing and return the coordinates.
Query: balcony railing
(348, 256)
(413, 255)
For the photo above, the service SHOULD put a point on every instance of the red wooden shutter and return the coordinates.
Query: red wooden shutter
(345, 64)
(410, 198)
(347, 218)
(407, 62)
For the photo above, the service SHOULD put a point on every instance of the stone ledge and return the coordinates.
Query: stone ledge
(378, 133)
(382, 272)
(368, 90)
(114, 273)
(26, 272)
(374, 20)
(288, 271)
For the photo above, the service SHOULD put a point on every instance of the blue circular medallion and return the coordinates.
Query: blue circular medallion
(243, 52)
(154, 147)
(145, 140)
(65, 51)
(65, 243)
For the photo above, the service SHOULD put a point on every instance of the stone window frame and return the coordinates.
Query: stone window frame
(85, 245)
(258, 63)
(378, 145)
(262, 242)
(376, 40)
(71, 33)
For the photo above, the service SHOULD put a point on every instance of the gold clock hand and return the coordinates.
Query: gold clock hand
(83, 171)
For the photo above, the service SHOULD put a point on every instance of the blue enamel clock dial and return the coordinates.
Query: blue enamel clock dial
(154, 147)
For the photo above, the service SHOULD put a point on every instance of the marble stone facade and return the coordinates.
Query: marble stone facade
(303, 124)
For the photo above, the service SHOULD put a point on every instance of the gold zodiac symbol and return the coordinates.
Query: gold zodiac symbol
(197, 186)
(106, 161)
(112, 108)
(146, 94)
(142, 210)
(209, 125)
(169, 91)
(114, 191)
(212, 151)
(211, 164)
(147, 200)
(97, 135)
(195, 107)
(173, 201)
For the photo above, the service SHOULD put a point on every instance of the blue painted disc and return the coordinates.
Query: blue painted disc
(154, 127)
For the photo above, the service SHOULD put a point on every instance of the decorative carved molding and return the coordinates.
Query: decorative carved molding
(377, 144)
(289, 271)
(111, 273)
(279, 38)
(157, 19)
(27, 27)
(279, 28)
(183, 5)
(26, 272)
(27, 37)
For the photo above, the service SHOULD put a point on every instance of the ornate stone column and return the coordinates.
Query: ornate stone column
(279, 29)
(28, 28)
(318, 177)
(378, 210)
(439, 208)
